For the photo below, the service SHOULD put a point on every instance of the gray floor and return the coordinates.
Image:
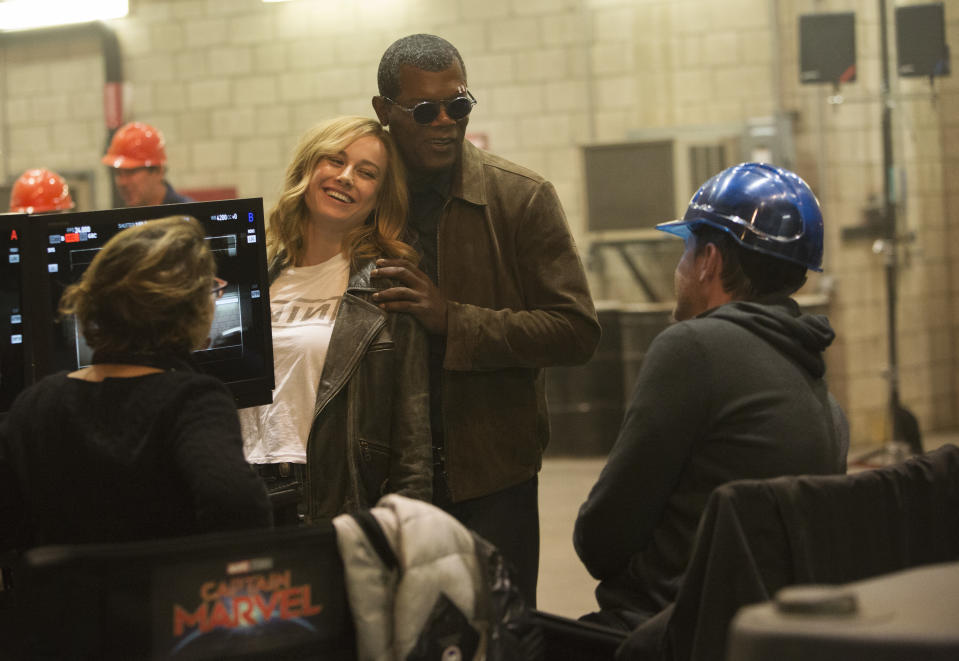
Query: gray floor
(565, 587)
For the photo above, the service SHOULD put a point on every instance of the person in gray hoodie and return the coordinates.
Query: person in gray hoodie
(734, 390)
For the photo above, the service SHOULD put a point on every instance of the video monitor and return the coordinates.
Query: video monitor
(15, 363)
(253, 595)
(240, 352)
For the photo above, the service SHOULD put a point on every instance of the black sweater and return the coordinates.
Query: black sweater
(125, 459)
(735, 393)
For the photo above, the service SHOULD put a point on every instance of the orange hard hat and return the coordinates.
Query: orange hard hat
(136, 145)
(40, 190)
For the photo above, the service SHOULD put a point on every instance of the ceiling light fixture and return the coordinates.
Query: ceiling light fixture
(30, 14)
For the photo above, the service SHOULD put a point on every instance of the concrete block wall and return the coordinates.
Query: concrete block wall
(840, 154)
(52, 105)
(233, 83)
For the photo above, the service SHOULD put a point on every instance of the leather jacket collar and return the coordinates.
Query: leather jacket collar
(360, 280)
(469, 179)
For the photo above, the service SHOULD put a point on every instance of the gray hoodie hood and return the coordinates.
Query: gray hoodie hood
(779, 321)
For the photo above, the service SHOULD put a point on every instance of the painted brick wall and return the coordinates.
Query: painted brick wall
(233, 83)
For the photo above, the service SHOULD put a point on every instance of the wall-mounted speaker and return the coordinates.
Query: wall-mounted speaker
(921, 40)
(827, 48)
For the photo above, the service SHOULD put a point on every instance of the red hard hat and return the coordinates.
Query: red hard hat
(40, 190)
(136, 145)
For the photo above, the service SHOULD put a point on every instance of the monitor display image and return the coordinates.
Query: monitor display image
(245, 603)
(240, 351)
(253, 595)
(14, 361)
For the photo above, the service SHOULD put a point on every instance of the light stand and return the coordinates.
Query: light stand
(904, 436)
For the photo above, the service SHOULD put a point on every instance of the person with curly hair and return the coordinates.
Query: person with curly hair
(138, 445)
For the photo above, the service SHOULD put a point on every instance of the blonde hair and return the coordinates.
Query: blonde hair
(147, 290)
(380, 235)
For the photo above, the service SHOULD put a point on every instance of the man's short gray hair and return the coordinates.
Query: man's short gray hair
(423, 51)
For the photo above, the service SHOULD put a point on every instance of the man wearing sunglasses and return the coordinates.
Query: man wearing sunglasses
(499, 287)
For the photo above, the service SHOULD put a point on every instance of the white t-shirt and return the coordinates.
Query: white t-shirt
(303, 305)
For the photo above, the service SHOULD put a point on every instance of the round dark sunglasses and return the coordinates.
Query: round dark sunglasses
(425, 112)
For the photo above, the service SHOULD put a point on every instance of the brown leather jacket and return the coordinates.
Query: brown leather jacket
(518, 302)
(371, 432)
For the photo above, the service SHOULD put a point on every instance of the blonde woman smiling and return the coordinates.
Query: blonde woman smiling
(349, 419)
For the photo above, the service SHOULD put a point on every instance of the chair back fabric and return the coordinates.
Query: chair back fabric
(757, 536)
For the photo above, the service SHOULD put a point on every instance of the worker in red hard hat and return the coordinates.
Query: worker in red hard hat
(137, 156)
(39, 190)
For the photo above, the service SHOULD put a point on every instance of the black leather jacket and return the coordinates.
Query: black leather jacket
(370, 434)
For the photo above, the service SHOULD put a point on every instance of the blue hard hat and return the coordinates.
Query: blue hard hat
(765, 208)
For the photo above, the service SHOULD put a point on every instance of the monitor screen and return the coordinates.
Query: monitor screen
(272, 594)
(240, 352)
(14, 361)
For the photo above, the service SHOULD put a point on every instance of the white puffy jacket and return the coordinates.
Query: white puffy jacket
(398, 609)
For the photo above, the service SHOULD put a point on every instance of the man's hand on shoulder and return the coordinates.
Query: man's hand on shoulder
(418, 296)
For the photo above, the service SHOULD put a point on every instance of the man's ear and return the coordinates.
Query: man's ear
(710, 263)
(381, 107)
